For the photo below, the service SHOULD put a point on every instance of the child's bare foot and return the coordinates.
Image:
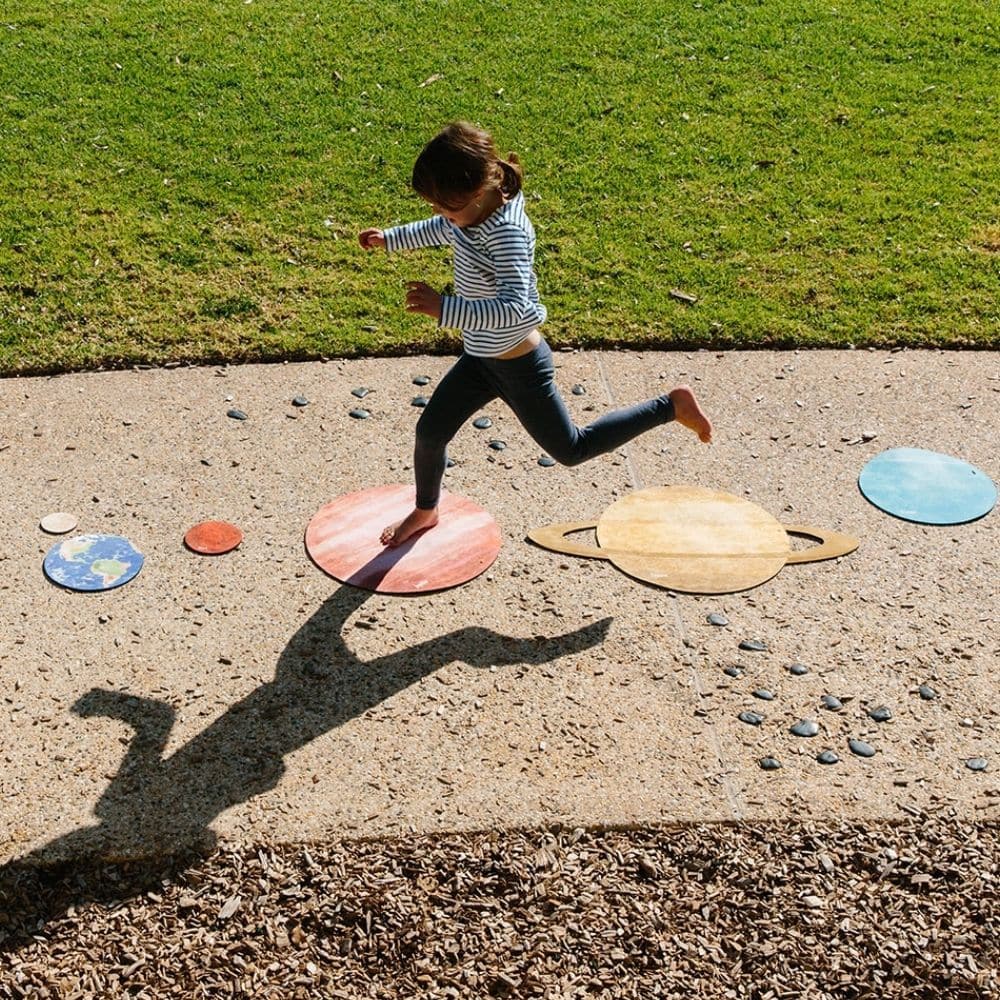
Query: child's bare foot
(688, 412)
(416, 520)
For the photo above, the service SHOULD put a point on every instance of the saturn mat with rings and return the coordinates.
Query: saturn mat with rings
(693, 540)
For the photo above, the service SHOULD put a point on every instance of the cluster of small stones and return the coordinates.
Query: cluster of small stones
(480, 423)
(362, 413)
(819, 910)
(808, 728)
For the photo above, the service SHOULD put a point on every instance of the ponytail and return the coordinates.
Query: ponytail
(512, 175)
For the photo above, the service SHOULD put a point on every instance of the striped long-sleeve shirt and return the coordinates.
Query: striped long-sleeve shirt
(496, 303)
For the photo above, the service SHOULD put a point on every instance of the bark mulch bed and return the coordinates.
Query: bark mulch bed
(756, 911)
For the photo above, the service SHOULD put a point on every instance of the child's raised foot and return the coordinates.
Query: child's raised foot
(688, 412)
(416, 520)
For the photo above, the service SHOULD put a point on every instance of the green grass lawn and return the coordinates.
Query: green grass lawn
(184, 180)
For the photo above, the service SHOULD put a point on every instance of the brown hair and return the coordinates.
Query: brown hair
(460, 160)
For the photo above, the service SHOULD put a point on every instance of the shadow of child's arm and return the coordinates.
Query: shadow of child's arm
(152, 720)
(485, 648)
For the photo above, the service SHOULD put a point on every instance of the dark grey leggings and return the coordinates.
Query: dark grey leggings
(527, 386)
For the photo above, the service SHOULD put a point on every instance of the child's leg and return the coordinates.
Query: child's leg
(462, 391)
(527, 385)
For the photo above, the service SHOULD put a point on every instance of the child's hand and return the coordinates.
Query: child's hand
(371, 239)
(421, 298)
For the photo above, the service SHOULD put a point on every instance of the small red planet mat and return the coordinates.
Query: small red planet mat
(343, 540)
(212, 538)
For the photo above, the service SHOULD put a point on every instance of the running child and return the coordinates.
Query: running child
(479, 211)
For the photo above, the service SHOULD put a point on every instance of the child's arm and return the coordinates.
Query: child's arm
(512, 306)
(432, 232)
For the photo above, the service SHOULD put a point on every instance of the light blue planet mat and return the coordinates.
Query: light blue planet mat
(927, 487)
(92, 562)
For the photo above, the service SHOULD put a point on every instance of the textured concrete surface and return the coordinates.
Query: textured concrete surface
(249, 696)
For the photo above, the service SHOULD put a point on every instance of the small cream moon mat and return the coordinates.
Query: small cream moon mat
(693, 540)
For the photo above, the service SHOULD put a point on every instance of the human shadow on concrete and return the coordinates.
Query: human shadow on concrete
(156, 813)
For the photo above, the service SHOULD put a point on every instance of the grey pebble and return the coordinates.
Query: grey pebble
(481, 423)
(754, 645)
(360, 414)
(419, 401)
(546, 462)
(497, 445)
(861, 748)
(449, 462)
(236, 414)
(880, 714)
(827, 757)
(798, 669)
(421, 380)
(927, 692)
(769, 764)
(764, 694)
(578, 390)
(976, 763)
(805, 727)
(360, 392)
(751, 718)
(300, 401)
(834, 704)
(716, 619)
(733, 671)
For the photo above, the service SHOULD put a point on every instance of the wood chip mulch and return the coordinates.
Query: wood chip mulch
(759, 911)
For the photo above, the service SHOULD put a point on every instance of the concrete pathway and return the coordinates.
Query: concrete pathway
(251, 697)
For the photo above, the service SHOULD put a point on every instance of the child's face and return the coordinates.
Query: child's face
(475, 210)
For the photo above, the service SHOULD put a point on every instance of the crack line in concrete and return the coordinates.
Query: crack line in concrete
(690, 658)
(637, 483)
